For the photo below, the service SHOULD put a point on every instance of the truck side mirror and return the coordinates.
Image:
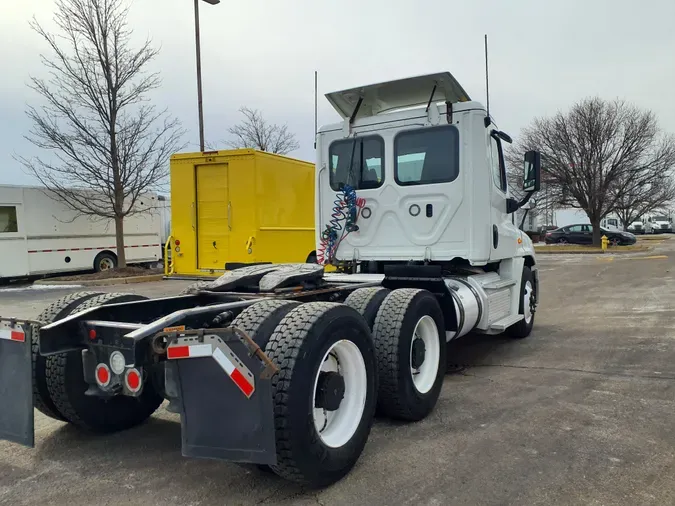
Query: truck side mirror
(532, 171)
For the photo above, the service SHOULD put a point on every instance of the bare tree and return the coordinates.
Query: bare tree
(649, 192)
(109, 146)
(255, 132)
(596, 153)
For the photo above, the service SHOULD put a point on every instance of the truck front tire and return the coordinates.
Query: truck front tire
(67, 387)
(409, 335)
(325, 392)
(528, 296)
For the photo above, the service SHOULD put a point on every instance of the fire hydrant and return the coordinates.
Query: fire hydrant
(605, 243)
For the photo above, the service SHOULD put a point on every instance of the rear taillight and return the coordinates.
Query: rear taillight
(132, 380)
(102, 375)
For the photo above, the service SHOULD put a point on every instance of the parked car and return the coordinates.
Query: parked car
(583, 234)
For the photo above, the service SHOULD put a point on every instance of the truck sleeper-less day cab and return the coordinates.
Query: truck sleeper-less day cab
(285, 365)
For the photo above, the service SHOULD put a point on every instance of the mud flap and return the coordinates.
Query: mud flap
(16, 383)
(224, 396)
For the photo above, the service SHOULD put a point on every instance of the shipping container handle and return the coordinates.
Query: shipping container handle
(229, 215)
(194, 217)
(249, 245)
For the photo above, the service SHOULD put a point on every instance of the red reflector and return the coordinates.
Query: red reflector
(241, 382)
(17, 336)
(92, 334)
(178, 352)
(177, 241)
(102, 374)
(133, 380)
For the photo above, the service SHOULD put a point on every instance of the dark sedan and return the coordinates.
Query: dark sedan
(583, 234)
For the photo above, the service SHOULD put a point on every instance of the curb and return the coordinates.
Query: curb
(102, 282)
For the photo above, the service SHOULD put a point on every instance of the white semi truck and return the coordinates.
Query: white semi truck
(284, 366)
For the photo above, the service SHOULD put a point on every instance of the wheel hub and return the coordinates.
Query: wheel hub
(330, 390)
(418, 353)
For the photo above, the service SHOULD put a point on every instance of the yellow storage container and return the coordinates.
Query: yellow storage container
(239, 206)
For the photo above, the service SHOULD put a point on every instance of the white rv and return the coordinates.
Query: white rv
(40, 235)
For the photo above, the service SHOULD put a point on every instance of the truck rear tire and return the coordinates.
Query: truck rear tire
(67, 387)
(260, 319)
(328, 370)
(194, 287)
(58, 309)
(523, 328)
(367, 302)
(409, 335)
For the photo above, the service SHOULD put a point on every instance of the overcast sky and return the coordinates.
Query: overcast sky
(544, 55)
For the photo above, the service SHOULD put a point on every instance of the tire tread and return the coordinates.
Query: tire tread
(58, 309)
(59, 387)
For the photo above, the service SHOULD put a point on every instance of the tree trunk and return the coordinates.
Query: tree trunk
(119, 237)
(597, 233)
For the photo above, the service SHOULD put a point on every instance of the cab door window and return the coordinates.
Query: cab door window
(498, 166)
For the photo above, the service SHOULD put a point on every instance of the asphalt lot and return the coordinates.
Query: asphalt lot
(578, 413)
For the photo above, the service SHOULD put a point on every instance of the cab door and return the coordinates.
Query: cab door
(213, 216)
(503, 233)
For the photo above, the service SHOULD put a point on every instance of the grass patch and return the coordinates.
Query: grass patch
(653, 237)
(574, 248)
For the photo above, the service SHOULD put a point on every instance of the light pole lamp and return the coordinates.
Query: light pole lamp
(199, 71)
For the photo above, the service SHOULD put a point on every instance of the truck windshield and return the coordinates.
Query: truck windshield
(358, 162)
(660, 218)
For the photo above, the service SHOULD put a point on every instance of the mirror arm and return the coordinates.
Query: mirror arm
(522, 222)
(512, 205)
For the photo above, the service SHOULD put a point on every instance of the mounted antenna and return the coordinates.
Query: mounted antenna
(488, 121)
(316, 124)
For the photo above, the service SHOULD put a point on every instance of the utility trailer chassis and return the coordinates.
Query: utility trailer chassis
(216, 377)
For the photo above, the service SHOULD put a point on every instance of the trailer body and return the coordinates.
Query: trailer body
(239, 207)
(284, 364)
(39, 234)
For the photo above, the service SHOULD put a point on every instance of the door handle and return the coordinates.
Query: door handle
(229, 215)
(249, 245)
(194, 217)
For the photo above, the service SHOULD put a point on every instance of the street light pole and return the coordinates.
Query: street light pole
(199, 72)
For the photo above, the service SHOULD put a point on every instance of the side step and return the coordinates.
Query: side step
(502, 283)
(505, 323)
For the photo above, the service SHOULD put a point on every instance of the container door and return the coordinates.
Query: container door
(212, 216)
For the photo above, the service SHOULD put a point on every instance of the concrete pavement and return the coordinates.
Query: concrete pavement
(578, 413)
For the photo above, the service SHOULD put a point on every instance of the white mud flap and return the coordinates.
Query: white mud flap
(16, 382)
(220, 382)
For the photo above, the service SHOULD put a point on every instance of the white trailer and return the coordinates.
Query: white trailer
(39, 234)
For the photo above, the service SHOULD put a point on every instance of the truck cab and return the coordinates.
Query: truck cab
(429, 162)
